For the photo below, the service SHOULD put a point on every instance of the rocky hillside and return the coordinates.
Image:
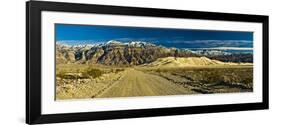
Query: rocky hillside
(116, 53)
(132, 53)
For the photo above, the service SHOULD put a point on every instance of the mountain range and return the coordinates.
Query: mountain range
(132, 53)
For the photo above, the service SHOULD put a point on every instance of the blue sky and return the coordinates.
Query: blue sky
(180, 38)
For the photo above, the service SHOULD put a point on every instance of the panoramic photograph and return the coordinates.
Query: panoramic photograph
(98, 61)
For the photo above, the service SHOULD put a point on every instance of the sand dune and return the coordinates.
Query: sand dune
(189, 61)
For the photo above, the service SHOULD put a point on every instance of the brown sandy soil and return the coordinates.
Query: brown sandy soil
(85, 88)
(138, 83)
(166, 76)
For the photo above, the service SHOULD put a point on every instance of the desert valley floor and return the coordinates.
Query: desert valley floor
(157, 79)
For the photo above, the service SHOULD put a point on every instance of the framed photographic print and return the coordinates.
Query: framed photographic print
(95, 62)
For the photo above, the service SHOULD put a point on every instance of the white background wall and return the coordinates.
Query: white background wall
(12, 60)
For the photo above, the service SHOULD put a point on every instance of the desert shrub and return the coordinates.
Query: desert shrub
(62, 74)
(119, 70)
(158, 70)
(65, 75)
(93, 73)
(116, 70)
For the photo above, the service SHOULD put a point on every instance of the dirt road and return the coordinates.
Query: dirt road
(138, 83)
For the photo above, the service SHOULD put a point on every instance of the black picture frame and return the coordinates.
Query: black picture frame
(33, 61)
